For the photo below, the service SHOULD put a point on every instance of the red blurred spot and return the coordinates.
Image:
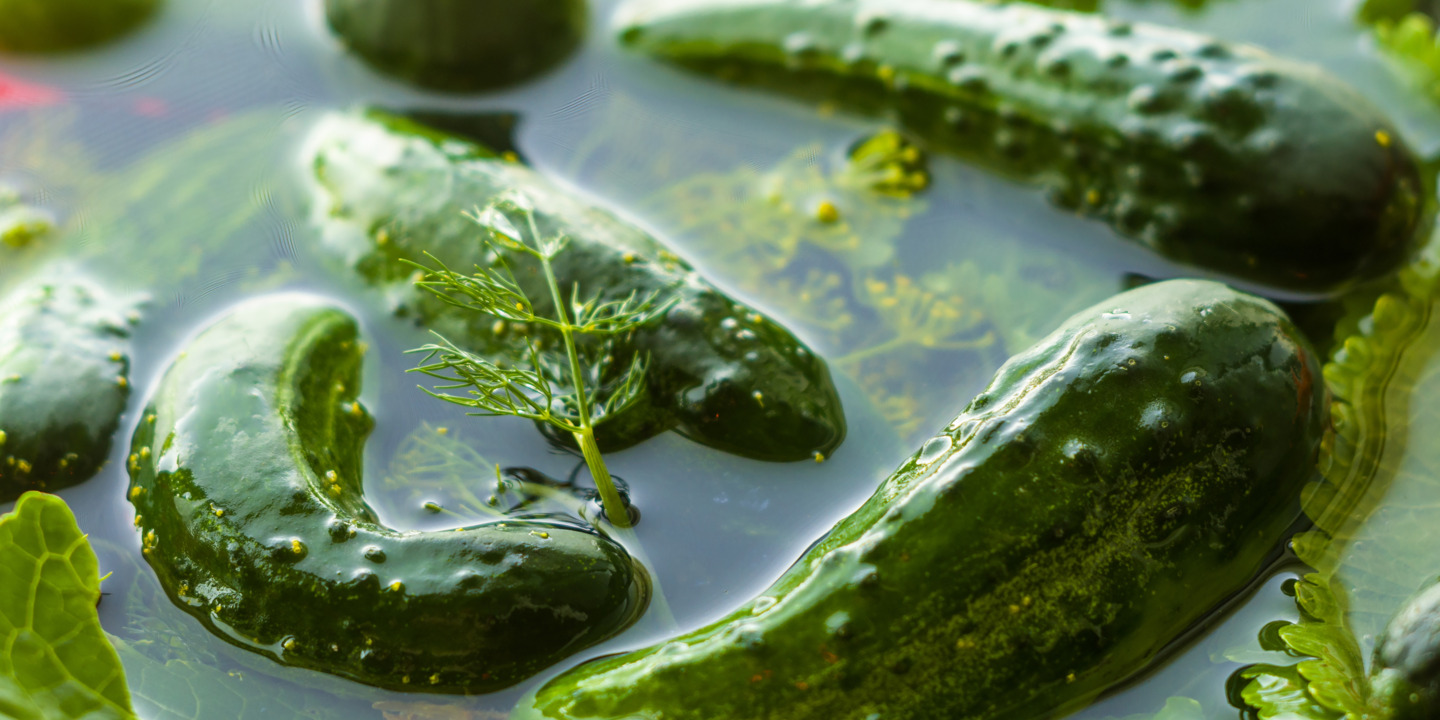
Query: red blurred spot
(16, 93)
(151, 107)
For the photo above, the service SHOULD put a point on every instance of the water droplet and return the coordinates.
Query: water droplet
(761, 604)
(935, 449)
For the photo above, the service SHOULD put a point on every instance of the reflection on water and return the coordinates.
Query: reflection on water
(168, 164)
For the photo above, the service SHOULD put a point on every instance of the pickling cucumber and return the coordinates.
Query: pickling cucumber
(1406, 671)
(460, 45)
(1211, 154)
(40, 26)
(720, 372)
(1109, 489)
(64, 380)
(246, 480)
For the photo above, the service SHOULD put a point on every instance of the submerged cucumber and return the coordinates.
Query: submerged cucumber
(246, 479)
(1406, 671)
(460, 45)
(720, 372)
(1112, 486)
(64, 380)
(39, 26)
(1211, 154)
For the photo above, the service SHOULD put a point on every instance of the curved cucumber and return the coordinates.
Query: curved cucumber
(460, 45)
(64, 380)
(245, 475)
(720, 372)
(1111, 487)
(1211, 154)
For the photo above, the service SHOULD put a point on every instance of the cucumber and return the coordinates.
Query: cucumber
(246, 480)
(1214, 155)
(64, 380)
(1406, 671)
(1110, 488)
(21, 224)
(720, 372)
(460, 45)
(45, 26)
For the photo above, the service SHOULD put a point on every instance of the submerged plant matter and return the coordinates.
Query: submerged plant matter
(1038, 550)
(437, 470)
(246, 478)
(893, 324)
(529, 392)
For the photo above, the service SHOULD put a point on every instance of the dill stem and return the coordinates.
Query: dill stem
(888, 346)
(615, 510)
(609, 496)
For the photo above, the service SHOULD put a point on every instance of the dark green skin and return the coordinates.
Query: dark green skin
(1406, 671)
(1214, 155)
(460, 45)
(64, 380)
(1112, 486)
(47, 26)
(247, 532)
(720, 372)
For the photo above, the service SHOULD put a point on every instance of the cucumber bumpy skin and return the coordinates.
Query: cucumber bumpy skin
(1111, 487)
(64, 380)
(460, 45)
(1211, 154)
(720, 372)
(246, 479)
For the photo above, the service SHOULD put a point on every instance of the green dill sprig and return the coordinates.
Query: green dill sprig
(571, 396)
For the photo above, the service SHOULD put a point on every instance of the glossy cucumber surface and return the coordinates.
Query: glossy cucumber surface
(460, 45)
(720, 372)
(1406, 670)
(1211, 154)
(1112, 486)
(64, 380)
(246, 479)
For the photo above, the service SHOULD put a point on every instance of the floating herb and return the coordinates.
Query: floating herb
(533, 387)
(55, 661)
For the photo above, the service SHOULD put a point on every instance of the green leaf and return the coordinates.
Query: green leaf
(1330, 685)
(55, 661)
(1279, 693)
